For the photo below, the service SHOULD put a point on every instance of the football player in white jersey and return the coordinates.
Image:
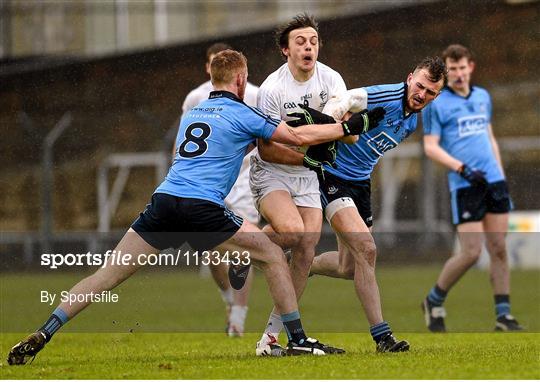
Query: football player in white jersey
(287, 196)
(202, 91)
(239, 200)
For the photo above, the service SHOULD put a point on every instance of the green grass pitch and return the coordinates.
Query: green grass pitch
(169, 325)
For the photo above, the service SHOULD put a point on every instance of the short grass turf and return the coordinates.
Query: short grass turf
(150, 333)
(213, 356)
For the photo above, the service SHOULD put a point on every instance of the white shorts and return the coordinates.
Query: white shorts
(304, 190)
(239, 199)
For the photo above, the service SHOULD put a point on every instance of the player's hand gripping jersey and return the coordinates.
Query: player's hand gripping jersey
(356, 162)
(210, 146)
(280, 94)
(463, 126)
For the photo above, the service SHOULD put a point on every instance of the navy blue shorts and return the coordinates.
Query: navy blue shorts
(332, 188)
(470, 204)
(170, 221)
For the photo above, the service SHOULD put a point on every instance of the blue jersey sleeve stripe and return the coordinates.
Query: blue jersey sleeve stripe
(276, 121)
(389, 96)
(388, 91)
(371, 102)
(258, 112)
(270, 120)
(273, 122)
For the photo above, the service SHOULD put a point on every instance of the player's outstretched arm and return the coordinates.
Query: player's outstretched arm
(435, 152)
(307, 134)
(277, 153)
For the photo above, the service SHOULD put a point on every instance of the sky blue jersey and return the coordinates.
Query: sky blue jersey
(211, 143)
(356, 162)
(463, 126)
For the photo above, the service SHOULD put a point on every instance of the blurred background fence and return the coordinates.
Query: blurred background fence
(82, 82)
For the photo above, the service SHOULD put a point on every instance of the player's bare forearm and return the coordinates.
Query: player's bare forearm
(307, 134)
(277, 153)
(315, 134)
(438, 154)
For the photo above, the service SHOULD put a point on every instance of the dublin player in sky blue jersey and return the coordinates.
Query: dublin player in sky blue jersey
(458, 134)
(346, 189)
(239, 201)
(188, 205)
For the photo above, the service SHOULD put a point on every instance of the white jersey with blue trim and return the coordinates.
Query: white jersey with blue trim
(356, 162)
(210, 146)
(463, 126)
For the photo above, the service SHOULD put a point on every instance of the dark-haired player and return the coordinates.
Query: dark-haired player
(346, 189)
(286, 192)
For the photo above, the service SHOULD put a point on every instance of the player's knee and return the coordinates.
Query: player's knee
(370, 252)
(365, 250)
(472, 253)
(291, 226)
(497, 250)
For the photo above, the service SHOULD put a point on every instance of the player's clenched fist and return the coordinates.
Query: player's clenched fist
(474, 176)
(308, 116)
(363, 121)
(319, 155)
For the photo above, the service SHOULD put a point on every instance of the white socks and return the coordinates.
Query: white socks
(227, 296)
(274, 325)
(238, 316)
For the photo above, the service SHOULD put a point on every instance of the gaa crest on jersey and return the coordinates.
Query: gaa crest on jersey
(381, 143)
(472, 125)
(289, 105)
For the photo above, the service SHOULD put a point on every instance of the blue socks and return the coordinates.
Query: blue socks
(55, 322)
(502, 305)
(293, 327)
(378, 331)
(436, 296)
